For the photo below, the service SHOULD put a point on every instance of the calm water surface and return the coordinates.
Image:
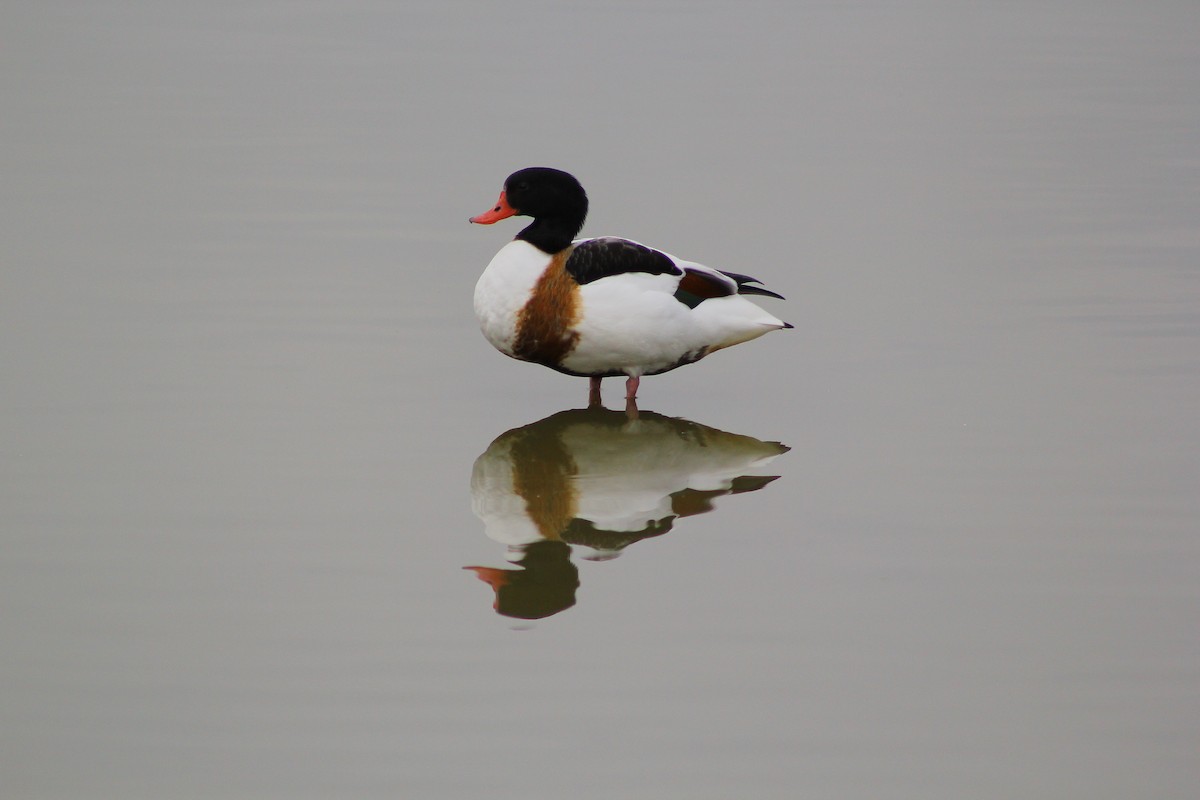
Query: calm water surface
(938, 541)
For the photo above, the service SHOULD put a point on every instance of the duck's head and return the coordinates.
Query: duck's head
(555, 200)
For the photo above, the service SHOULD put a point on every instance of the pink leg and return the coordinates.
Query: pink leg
(631, 387)
(594, 393)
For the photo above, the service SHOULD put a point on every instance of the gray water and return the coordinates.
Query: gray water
(250, 435)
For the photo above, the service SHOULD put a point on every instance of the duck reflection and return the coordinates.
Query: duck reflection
(591, 482)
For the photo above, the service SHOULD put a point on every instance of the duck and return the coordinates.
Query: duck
(590, 483)
(605, 306)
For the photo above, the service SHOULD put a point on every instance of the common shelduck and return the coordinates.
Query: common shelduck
(588, 483)
(604, 306)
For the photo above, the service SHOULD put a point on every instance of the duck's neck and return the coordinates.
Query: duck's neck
(554, 233)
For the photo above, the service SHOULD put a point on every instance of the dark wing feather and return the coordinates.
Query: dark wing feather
(744, 287)
(695, 287)
(600, 258)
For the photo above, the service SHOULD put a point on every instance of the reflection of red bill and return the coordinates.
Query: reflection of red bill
(490, 575)
(502, 211)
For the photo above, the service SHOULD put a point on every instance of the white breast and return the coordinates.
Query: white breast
(503, 290)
